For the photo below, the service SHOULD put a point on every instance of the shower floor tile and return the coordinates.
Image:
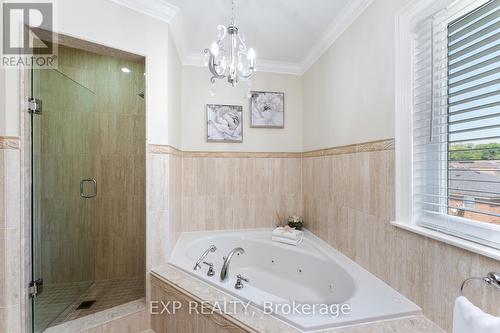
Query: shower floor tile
(58, 304)
(54, 299)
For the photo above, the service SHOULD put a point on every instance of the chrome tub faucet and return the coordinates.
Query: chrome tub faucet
(197, 266)
(227, 260)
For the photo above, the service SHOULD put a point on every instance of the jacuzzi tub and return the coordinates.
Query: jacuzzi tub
(312, 273)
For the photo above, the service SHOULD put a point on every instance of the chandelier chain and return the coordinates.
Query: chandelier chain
(232, 12)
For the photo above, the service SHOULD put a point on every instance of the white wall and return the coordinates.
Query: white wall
(174, 95)
(349, 91)
(109, 24)
(196, 94)
(347, 96)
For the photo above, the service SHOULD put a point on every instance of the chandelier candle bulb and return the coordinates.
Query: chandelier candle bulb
(214, 49)
(251, 57)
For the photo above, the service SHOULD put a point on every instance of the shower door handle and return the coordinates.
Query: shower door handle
(94, 187)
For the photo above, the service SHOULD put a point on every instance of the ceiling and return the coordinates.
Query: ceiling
(288, 35)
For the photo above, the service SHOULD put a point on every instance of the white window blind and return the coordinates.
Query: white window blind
(456, 122)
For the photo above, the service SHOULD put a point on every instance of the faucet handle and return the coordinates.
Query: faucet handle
(241, 277)
(239, 284)
(211, 271)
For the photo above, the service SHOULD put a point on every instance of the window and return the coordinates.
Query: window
(452, 143)
(474, 115)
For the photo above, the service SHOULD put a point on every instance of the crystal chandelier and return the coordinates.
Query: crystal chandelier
(232, 61)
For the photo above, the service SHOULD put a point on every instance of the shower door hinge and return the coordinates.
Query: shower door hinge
(35, 288)
(34, 105)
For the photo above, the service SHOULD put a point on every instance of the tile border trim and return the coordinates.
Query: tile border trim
(163, 149)
(169, 150)
(379, 145)
(10, 142)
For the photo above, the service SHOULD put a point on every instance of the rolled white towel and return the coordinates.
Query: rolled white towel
(288, 241)
(468, 318)
(288, 233)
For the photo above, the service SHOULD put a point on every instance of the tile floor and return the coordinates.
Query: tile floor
(54, 299)
(58, 303)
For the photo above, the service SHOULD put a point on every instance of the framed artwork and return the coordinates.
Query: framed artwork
(224, 123)
(267, 109)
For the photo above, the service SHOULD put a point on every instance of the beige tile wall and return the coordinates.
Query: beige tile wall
(158, 227)
(349, 202)
(346, 195)
(233, 191)
(162, 161)
(10, 235)
(175, 194)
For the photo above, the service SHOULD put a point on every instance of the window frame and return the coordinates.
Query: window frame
(415, 11)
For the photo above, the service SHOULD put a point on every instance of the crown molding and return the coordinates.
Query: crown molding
(279, 67)
(347, 16)
(171, 14)
(176, 32)
(160, 10)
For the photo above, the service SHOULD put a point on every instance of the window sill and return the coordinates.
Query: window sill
(451, 240)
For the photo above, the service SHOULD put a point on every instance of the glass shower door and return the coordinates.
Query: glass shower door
(64, 191)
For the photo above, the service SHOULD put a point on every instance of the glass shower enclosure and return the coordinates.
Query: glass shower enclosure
(88, 155)
(64, 191)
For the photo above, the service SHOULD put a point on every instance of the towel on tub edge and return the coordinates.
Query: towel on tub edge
(287, 235)
(467, 318)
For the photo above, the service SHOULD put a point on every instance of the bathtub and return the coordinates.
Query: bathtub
(312, 273)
